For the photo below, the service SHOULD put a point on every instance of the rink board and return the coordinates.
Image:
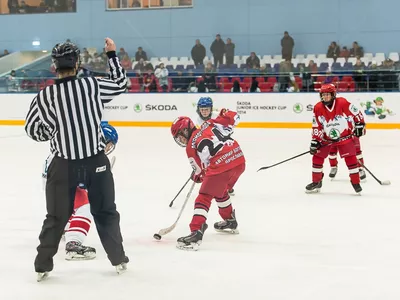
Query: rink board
(258, 110)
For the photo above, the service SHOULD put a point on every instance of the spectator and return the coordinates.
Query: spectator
(344, 53)
(13, 83)
(140, 65)
(161, 74)
(201, 87)
(149, 82)
(373, 77)
(287, 44)
(141, 54)
(125, 62)
(136, 4)
(209, 77)
(85, 58)
(180, 83)
(198, 53)
(13, 6)
(218, 49)
(254, 87)
(356, 51)
(121, 53)
(328, 76)
(229, 52)
(307, 75)
(285, 68)
(358, 75)
(5, 53)
(253, 62)
(333, 51)
(293, 86)
(236, 87)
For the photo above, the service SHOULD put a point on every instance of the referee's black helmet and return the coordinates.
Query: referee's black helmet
(65, 56)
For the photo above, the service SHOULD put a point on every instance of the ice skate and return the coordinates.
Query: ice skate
(313, 187)
(231, 192)
(363, 175)
(228, 226)
(122, 267)
(76, 251)
(193, 241)
(357, 187)
(42, 276)
(333, 172)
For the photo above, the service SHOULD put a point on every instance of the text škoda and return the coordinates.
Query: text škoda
(161, 107)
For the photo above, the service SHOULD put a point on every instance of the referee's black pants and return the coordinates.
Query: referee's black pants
(63, 177)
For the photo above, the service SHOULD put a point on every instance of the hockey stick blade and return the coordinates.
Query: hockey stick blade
(172, 202)
(384, 182)
(167, 230)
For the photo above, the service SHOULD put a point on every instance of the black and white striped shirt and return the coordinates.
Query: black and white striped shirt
(68, 113)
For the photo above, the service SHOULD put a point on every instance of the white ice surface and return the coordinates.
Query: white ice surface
(291, 246)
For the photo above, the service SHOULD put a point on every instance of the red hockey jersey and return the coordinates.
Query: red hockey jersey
(336, 122)
(211, 148)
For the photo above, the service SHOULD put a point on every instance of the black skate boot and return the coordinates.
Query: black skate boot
(193, 240)
(363, 175)
(313, 187)
(76, 251)
(123, 266)
(333, 172)
(229, 225)
(231, 192)
(357, 187)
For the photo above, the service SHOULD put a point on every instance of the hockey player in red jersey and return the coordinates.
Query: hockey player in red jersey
(334, 163)
(218, 162)
(335, 121)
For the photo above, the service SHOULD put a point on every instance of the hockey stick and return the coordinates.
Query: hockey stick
(172, 202)
(172, 227)
(267, 167)
(112, 162)
(304, 153)
(384, 182)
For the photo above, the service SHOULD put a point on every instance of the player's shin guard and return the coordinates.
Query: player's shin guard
(360, 158)
(224, 207)
(201, 208)
(317, 169)
(352, 165)
(317, 175)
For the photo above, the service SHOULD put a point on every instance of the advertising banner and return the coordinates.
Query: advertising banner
(257, 110)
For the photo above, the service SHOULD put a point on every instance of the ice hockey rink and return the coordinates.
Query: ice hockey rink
(293, 246)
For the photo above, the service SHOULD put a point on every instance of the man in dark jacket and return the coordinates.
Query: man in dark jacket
(229, 52)
(141, 54)
(198, 53)
(218, 49)
(287, 44)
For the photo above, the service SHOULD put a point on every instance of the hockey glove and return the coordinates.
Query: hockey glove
(315, 145)
(359, 129)
(198, 178)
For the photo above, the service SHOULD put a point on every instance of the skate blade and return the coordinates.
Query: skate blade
(190, 247)
(314, 191)
(121, 269)
(232, 194)
(42, 276)
(73, 256)
(230, 231)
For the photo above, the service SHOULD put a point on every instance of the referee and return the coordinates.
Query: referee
(68, 114)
